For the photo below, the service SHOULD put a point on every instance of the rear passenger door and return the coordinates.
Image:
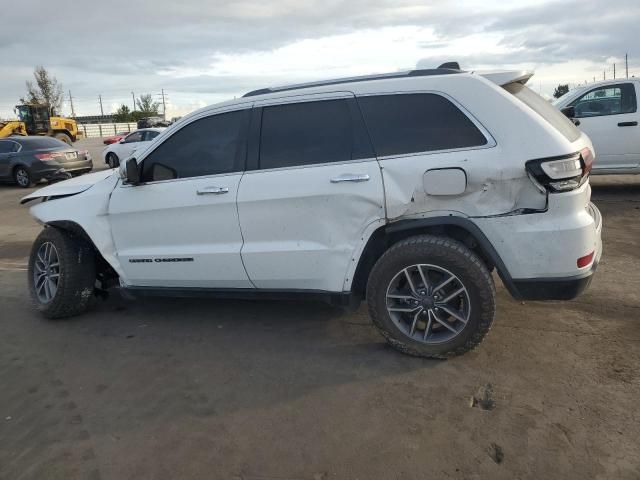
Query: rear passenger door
(7, 148)
(313, 188)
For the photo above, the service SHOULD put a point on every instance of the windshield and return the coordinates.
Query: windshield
(545, 109)
(23, 112)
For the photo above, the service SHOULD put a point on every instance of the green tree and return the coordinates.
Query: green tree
(46, 90)
(147, 106)
(560, 90)
(123, 114)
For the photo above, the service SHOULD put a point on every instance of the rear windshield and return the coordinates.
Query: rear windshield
(545, 109)
(35, 143)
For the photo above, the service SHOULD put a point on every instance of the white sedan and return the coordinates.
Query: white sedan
(114, 153)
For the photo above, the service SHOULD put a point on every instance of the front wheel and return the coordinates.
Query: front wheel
(431, 296)
(61, 273)
(112, 160)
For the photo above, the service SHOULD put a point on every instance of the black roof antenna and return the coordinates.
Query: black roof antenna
(450, 65)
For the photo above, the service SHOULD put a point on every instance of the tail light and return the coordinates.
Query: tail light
(561, 174)
(49, 157)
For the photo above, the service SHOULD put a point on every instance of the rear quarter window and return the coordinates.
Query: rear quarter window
(545, 109)
(417, 122)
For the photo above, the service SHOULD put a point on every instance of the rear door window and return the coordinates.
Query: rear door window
(150, 135)
(417, 122)
(6, 146)
(311, 133)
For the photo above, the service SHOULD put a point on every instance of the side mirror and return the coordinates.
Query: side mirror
(132, 171)
(121, 141)
(570, 113)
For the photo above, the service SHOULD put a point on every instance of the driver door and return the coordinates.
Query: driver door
(609, 116)
(179, 228)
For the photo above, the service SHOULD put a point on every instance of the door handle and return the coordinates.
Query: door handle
(212, 191)
(628, 124)
(350, 177)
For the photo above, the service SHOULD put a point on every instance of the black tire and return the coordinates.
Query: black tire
(22, 176)
(112, 160)
(457, 259)
(63, 137)
(77, 274)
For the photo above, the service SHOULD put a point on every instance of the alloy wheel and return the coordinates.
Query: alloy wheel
(46, 272)
(22, 177)
(428, 303)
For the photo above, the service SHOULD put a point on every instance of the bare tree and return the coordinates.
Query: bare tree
(46, 90)
(147, 105)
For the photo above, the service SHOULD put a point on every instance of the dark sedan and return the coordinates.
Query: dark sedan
(26, 160)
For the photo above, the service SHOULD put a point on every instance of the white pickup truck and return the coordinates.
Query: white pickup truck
(607, 112)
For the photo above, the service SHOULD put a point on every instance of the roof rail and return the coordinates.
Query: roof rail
(444, 69)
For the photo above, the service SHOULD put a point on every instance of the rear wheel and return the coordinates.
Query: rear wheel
(63, 137)
(112, 160)
(431, 297)
(22, 176)
(62, 273)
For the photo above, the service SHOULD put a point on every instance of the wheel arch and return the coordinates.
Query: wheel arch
(458, 228)
(104, 270)
(66, 132)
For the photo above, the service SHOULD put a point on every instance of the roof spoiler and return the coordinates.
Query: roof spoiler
(505, 77)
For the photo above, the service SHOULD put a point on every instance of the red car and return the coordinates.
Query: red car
(115, 138)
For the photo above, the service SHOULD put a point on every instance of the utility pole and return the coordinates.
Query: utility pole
(164, 107)
(614, 70)
(626, 64)
(604, 74)
(73, 113)
(101, 111)
(133, 97)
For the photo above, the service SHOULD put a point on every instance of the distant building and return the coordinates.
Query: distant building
(95, 119)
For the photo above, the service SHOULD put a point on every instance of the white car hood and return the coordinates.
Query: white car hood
(71, 186)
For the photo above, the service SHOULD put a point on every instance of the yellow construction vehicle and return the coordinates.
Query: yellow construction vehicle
(38, 120)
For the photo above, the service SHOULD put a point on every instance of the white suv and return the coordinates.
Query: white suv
(406, 189)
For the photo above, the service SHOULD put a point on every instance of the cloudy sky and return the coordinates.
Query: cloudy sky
(204, 51)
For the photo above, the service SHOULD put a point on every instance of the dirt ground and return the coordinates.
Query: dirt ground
(181, 389)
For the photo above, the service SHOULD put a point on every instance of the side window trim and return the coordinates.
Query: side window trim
(620, 85)
(491, 142)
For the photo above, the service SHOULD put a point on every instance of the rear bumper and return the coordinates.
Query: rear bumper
(566, 288)
(48, 171)
(562, 288)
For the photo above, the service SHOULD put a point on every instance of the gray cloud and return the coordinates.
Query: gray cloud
(116, 46)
